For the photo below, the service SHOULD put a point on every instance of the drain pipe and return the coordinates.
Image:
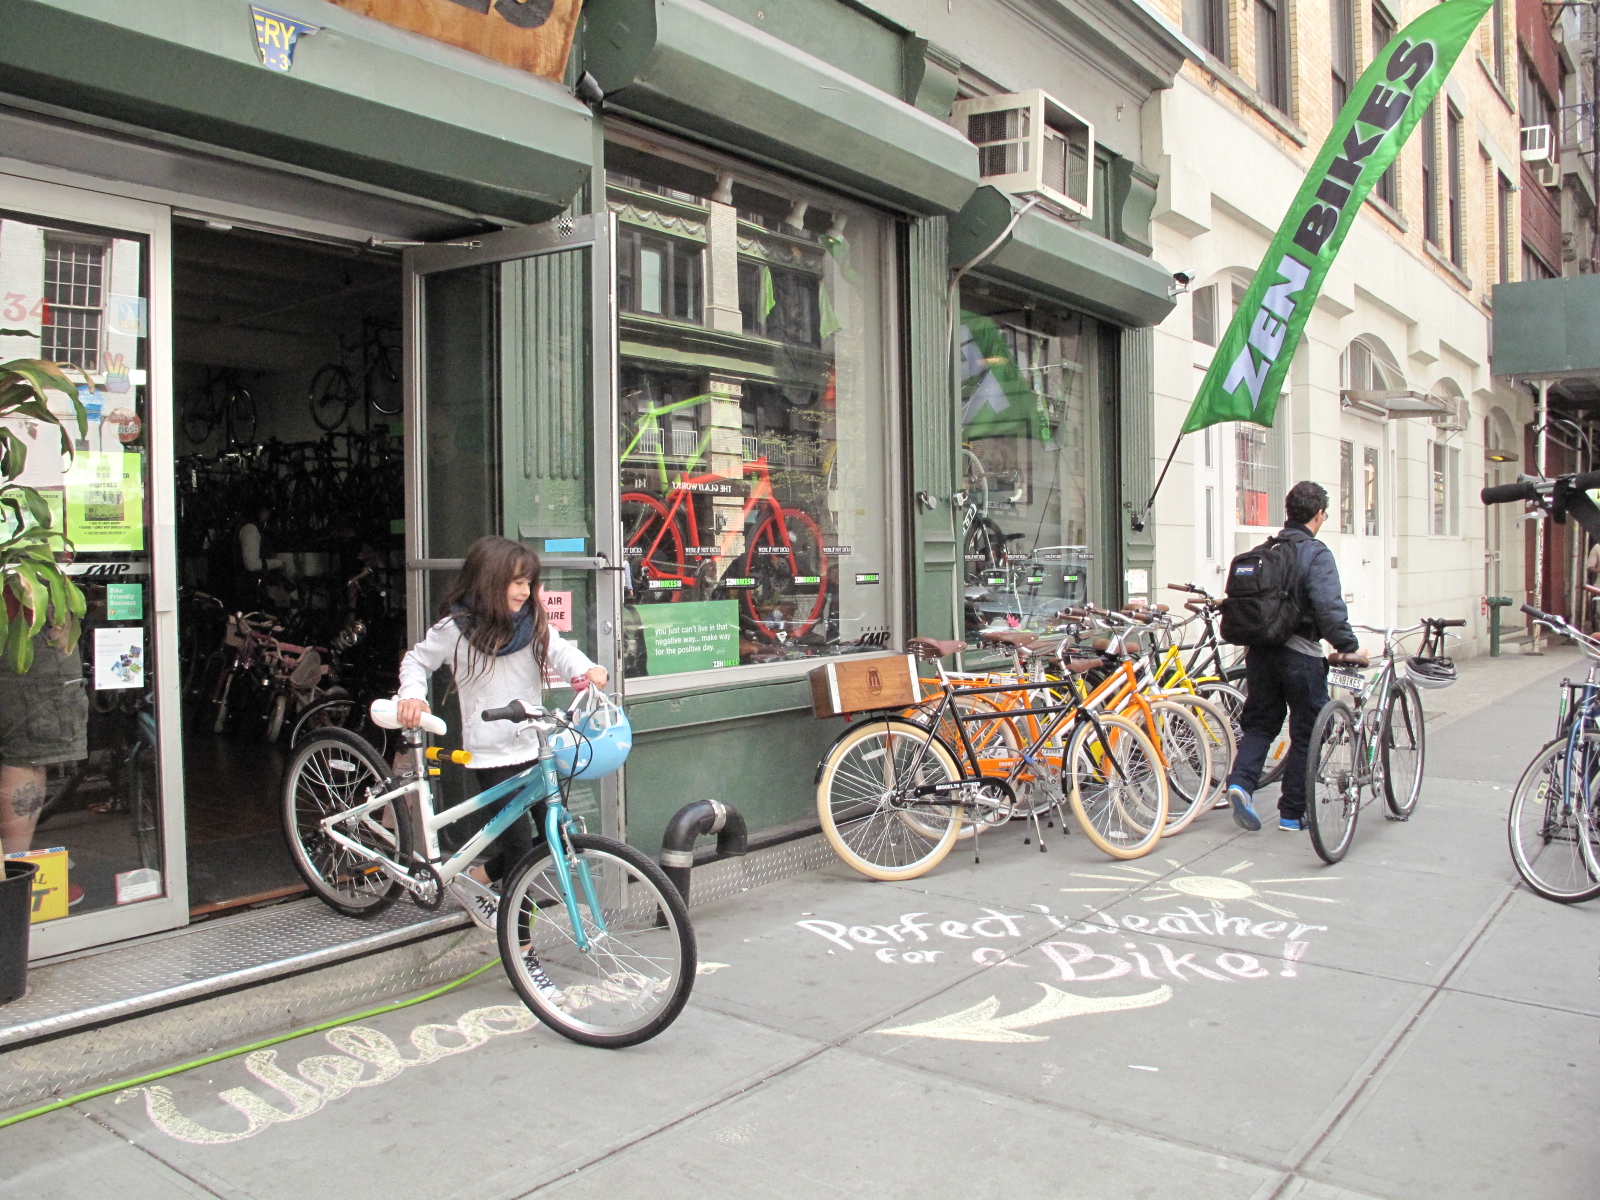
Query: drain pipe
(690, 822)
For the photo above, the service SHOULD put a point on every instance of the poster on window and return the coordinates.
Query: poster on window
(105, 501)
(118, 657)
(695, 635)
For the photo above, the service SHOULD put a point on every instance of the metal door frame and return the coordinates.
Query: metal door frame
(597, 232)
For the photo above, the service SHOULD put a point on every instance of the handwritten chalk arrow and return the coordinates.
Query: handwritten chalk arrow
(980, 1024)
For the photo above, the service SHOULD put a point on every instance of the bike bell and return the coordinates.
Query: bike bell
(1430, 672)
(606, 738)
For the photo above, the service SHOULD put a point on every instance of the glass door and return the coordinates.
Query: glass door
(510, 413)
(90, 767)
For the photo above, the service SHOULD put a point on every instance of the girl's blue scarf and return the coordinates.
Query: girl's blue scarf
(521, 631)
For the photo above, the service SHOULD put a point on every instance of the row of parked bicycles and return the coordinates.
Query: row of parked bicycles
(1113, 717)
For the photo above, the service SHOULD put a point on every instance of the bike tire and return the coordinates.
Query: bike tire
(1547, 843)
(1333, 802)
(340, 712)
(640, 514)
(775, 573)
(1404, 744)
(637, 974)
(1118, 791)
(330, 397)
(144, 807)
(199, 422)
(996, 743)
(275, 719)
(329, 773)
(1186, 744)
(241, 417)
(855, 781)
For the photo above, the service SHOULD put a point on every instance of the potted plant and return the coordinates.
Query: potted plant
(37, 593)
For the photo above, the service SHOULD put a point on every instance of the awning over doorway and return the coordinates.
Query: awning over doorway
(362, 101)
(1062, 261)
(1550, 329)
(684, 63)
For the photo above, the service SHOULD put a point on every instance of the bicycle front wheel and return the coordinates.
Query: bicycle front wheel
(1191, 741)
(1117, 787)
(327, 774)
(635, 976)
(1333, 796)
(1404, 746)
(868, 806)
(1546, 826)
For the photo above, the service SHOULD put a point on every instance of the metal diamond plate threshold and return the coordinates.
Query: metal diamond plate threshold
(157, 972)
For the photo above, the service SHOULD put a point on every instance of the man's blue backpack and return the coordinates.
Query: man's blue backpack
(1262, 604)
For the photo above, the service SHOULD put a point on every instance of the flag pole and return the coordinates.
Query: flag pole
(1137, 519)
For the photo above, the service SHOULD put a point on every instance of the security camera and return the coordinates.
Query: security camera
(1180, 283)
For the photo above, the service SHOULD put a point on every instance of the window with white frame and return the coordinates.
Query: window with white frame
(1445, 489)
(1261, 468)
(1347, 487)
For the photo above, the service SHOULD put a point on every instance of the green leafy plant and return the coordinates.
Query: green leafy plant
(37, 593)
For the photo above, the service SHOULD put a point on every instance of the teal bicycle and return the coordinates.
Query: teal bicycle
(595, 938)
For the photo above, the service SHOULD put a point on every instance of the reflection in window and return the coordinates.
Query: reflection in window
(1261, 470)
(1347, 487)
(1027, 379)
(74, 299)
(1446, 489)
(753, 447)
(1369, 489)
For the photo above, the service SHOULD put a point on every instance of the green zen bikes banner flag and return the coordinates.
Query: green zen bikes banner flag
(1247, 374)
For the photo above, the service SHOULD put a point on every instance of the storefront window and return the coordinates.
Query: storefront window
(78, 761)
(1028, 376)
(753, 434)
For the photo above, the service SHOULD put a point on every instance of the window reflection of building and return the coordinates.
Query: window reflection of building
(1027, 375)
(752, 417)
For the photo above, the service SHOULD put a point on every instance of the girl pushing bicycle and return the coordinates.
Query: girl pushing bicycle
(494, 634)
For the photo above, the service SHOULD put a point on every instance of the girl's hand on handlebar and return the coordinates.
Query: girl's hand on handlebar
(594, 675)
(409, 713)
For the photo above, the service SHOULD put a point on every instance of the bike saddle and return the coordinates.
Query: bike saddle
(932, 648)
(1016, 638)
(1082, 666)
(1340, 659)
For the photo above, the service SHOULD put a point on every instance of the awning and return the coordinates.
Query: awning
(687, 65)
(1062, 261)
(1396, 403)
(362, 101)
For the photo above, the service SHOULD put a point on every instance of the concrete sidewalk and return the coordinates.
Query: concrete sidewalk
(1224, 1018)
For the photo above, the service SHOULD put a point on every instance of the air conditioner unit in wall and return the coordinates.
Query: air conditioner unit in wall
(1030, 144)
(1537, 145)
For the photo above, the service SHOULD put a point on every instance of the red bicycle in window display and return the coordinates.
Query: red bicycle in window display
(779, 568)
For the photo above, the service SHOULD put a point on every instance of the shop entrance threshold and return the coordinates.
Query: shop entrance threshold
(84, 991)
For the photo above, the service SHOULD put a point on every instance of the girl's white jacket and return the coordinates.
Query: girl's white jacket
(495, 682)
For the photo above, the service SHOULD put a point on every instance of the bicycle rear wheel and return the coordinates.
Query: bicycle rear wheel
(1546, 831)
(635, 977)
(865, 799)
(1404, 749)
(331, 395)
(1187, 739)
(327, 774)
(1333, 798)
(1117, 787)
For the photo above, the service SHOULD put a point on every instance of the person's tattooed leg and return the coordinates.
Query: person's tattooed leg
(22, 797)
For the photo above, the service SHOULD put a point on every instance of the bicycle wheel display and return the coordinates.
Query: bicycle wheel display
(866, 802)
(1404, 746)
(1117, 787)
(635, 976)
(790, 591)
(1333, 795)
(1546, 828)
(1186, 744)
(652, 542)
(331, 396)
(331, 772)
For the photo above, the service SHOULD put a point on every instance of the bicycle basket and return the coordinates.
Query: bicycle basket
(598, 741)
(1429, 672)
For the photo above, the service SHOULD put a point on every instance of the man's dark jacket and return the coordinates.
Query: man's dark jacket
(1321, 596)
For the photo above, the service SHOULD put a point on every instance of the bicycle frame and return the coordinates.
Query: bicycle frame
(537, 783)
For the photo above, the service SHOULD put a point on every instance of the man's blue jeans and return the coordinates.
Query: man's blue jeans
(1279, 680)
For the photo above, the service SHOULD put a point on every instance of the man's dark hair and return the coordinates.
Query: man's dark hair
(1304, 501)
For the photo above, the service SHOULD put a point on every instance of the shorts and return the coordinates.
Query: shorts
(44, 715)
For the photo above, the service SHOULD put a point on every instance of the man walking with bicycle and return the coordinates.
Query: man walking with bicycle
(1284, 599)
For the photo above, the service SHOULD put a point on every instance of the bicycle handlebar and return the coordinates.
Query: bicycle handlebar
(1529, 489)
(515, 711)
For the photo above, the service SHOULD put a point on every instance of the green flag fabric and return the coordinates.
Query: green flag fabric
(996, 400)
(1247, 374)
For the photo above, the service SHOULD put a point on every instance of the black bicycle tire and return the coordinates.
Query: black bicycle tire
(1404, 688)
(1331, 711)
(508, 938)
(1524, 868)
(143, 799)
(194, 419)
(389, 380)
(234, 406)
(301, 858)
(331, 373)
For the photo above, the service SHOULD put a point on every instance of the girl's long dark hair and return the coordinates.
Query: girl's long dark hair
(492, 564)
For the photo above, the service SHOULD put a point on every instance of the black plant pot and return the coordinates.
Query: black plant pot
(16, 909)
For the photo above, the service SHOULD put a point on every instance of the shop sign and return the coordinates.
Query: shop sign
(276, 36)
(531, 35)
(105, 501)
(558, 610)
(696, 635)
(124, 602)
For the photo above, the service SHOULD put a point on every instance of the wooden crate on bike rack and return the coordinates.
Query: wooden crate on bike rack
(855, 685)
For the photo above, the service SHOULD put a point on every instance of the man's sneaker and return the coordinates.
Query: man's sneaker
(1243, 815)
(1291, 824)
(482, 903)
(541, 982)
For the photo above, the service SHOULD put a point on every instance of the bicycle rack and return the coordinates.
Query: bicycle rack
(690, 822)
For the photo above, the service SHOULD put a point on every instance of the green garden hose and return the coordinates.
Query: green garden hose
(56, 1105)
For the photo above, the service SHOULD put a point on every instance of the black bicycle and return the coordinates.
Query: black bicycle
(374, 382)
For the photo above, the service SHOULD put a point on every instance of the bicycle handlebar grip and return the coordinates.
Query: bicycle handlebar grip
(1451, 622)
(1588, 481)
(511, 712)
(1505, 493)
(1533, 612)
(1181, 587)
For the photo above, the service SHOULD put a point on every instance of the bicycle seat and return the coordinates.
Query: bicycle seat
(932, 648)
(1340, 659)
(1082, 666)
(384, 717)
(1015, 638)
